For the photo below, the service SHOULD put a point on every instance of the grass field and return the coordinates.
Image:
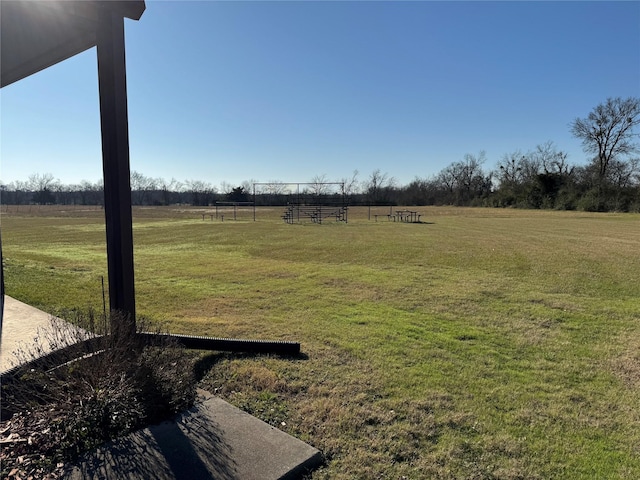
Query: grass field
(479, 344)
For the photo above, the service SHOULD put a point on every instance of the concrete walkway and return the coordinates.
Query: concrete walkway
(20, 326)
(213, 440)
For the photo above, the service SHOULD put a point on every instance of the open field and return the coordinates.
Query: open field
(479, 344)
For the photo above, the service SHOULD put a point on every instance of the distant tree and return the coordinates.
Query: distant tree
(319, 186)
(511, 177)
(202, 193)
(608, 132)
(350, 185)
(43, 186)
(274, 192)
(63, 194)
(446, 183)
(248, 185)
(473, 180)
(550, 159)
(142, 187)
(420, 191)
(169, 191)
(510, 172)
(625, 174)
(44, 197)
(7, 194)
(89, 193)
(238, 194)
(466, 179)
(623, 185)
(556, 175)
(39, 181)
(536, 179)
(276, 187)
(378, 187)
(225, 187)
(18, 193)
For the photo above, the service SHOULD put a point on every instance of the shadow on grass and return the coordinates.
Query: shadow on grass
(204, 364)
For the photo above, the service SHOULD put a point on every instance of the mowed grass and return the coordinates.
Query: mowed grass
(479, 344)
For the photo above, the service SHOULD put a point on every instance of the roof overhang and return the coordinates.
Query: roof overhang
(36, 34)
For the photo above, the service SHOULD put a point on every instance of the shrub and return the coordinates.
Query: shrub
(592, 201)
(100, 386)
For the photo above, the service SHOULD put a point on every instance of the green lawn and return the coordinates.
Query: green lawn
(479, 344)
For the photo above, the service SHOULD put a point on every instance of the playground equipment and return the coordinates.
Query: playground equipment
(312, 202)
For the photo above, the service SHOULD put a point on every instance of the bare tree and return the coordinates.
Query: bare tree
(276, 187)
(226, 187)
(201, 192)
(446, 179)
(608, 131)
(141, 187)
(319, 185)
(350, 185)
(469, 171)
(378, 185)
(550, 159)
(517, 176)
(90, 193)
(274, 192)
(168, 190)
(624, 174)
(510, 172)
(465, 180)
(420, 191)
(15, 193)
(247, 185)
(43, 186)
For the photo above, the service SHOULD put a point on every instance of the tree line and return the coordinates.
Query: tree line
(541, 178)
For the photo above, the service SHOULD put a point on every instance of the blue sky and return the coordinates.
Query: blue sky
(263, 91)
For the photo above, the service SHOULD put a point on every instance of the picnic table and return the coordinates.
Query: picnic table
(409, 216)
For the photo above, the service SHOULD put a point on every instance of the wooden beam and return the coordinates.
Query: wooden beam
(115, 162)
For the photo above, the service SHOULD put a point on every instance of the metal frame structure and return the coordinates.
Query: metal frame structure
(298, 193)
(235, 206)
